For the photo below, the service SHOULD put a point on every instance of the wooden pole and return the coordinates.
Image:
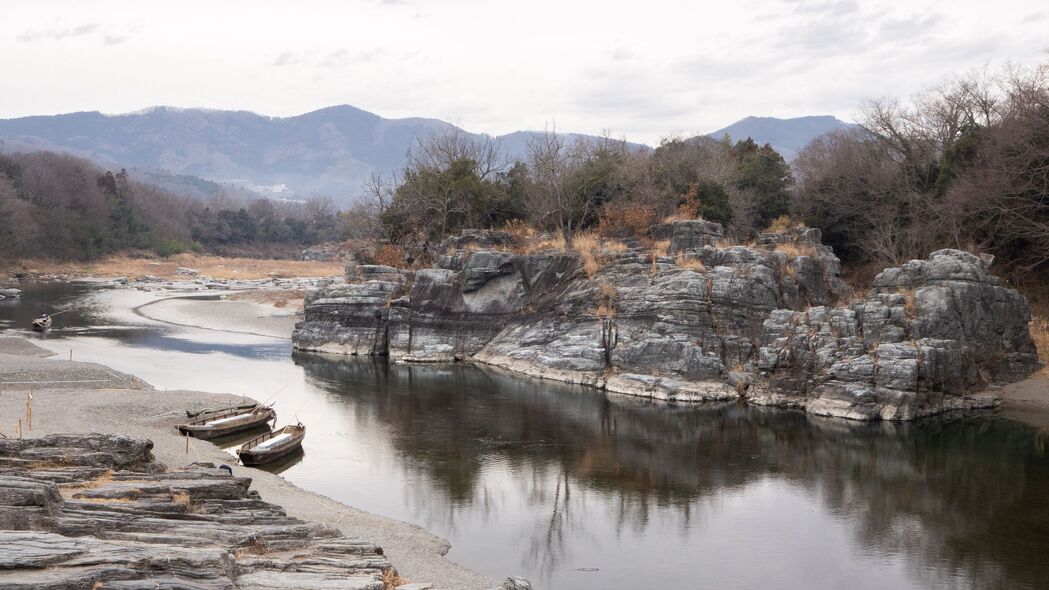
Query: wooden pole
(187, 443)
(19, 428)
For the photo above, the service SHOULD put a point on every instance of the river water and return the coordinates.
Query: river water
(574, 488)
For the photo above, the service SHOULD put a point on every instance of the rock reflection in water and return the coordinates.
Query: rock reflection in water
(956, 502)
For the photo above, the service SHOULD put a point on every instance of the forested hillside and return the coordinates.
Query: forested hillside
(62, 207)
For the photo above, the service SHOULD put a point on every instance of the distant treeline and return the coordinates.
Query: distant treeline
(62, 207)
(964, 166)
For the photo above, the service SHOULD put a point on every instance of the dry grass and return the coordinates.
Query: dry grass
(557, 242)
(586, 245)
(690, 263)
(795, 250)
(661, 247)
(519, 229)
(391, 579)
(181, 498)
(217, 267)
(101, 480)
(606, 300)
(910, 305)
(783, 224)
(615, 247)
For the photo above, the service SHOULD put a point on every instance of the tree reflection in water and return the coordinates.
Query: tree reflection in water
(960, 501)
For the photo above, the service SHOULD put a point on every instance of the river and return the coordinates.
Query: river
(574, 488)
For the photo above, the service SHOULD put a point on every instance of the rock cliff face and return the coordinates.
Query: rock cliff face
(771, 323)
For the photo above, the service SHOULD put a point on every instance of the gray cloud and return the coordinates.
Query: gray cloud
(900, 29)
(829, 8)
(342, 58)
(339, 58)
(58, 33)
(286, 58)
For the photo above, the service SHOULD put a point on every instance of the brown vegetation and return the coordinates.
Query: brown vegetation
(586, 245)
(690, 263)
(783, 224)
(210, 266)
(795, 250)
(630, 218)
(390, 255)
(391, 579)
(910, 305)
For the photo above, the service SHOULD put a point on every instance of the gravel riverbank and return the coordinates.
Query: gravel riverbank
(109, 402)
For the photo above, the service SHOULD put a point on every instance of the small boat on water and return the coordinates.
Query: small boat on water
(272, 445)
(218, 424)
(42, 323)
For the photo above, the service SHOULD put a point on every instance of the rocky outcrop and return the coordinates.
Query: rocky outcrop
(95, 511)
(771, 323)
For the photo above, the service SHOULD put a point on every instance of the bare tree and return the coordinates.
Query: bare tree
(442, 149)
(569, 179)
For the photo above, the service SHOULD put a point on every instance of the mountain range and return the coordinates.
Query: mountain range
(331, 151)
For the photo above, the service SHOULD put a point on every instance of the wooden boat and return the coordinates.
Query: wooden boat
(272, 445)
(227, 422)
(42, 323)
(205, 413)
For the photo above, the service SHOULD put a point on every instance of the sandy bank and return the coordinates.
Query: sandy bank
(123, 407)
(1027, 401)
(237, 316)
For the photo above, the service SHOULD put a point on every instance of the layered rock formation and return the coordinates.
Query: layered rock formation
(97, 511)
(771, 322)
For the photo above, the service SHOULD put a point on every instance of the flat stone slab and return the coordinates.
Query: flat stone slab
(87, 511)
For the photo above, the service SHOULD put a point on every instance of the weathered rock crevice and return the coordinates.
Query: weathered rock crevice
(770, 322)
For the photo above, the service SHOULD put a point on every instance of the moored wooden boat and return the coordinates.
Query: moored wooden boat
(272, 445)
(200, 414)
(42, 323)
(226, 422)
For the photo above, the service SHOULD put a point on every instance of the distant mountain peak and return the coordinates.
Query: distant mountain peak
(787, 136)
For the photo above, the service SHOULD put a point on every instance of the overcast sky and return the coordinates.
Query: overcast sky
(643, 69)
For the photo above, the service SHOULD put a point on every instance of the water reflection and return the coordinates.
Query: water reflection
(86, 312)
(957, 502)
(577, 489)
